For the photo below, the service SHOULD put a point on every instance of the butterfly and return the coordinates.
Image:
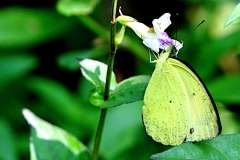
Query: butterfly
(177, 105)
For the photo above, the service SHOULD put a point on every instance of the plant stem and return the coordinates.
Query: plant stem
(113, 50)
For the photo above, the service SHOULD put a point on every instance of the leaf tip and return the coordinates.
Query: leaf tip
(29, 116)
(26, 113)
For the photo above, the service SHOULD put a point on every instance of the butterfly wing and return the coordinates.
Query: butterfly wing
(202, 114)
(177, 107)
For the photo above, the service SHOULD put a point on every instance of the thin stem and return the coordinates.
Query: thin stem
(113, 50)
(99, 134)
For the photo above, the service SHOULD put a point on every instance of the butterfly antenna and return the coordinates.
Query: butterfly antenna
(174, 53)
(176, 31)
(203, 21)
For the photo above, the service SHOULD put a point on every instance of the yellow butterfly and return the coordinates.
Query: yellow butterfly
(177, 106)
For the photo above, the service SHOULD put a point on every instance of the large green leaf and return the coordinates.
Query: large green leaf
(76, 7)
(15, 66)
(234, 17)
(7, 146)
(23, 27)
(226, 89)
(123, 130)
(50, 142)
(128, 91)
(96, 72)
(69, 60)
(225, 147)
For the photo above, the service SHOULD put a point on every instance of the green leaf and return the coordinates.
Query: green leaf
(96, 72)
(76, 7)
(128, 91)
(234, 17)
(225, 147)
(23, 27)
(226, 89)
(7, 146)
(68, 60)
(54, 141)
(15, 66)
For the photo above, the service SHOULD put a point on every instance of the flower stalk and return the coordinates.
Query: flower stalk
(113, 50)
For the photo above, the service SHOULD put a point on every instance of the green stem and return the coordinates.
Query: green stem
(113, 50)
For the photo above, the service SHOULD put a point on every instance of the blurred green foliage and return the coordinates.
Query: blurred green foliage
(39, 70)
(23, 27)
(76, 7)
(7, 149)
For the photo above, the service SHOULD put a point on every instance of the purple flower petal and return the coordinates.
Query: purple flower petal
(165, 40)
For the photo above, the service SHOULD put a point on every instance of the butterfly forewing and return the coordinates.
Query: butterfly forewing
(162, 111)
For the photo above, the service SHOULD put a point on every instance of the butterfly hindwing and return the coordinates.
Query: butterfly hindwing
(202, 115)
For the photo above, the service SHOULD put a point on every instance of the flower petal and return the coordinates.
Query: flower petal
(150, 40)
(164, 39)
(162, 23)
(177, 44)
(139, 28)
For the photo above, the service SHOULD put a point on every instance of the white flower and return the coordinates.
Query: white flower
(155, 38)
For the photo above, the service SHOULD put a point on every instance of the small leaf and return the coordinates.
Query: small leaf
(7, 146)
(23, 27)
(234, 17)
(128, 91)
(96, 72)
(15, 66)
(76, 7)
(68, 60)
(53, 140)
(225, 147)
(226, 89)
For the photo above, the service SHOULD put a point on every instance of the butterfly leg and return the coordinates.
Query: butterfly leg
(150, 58)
